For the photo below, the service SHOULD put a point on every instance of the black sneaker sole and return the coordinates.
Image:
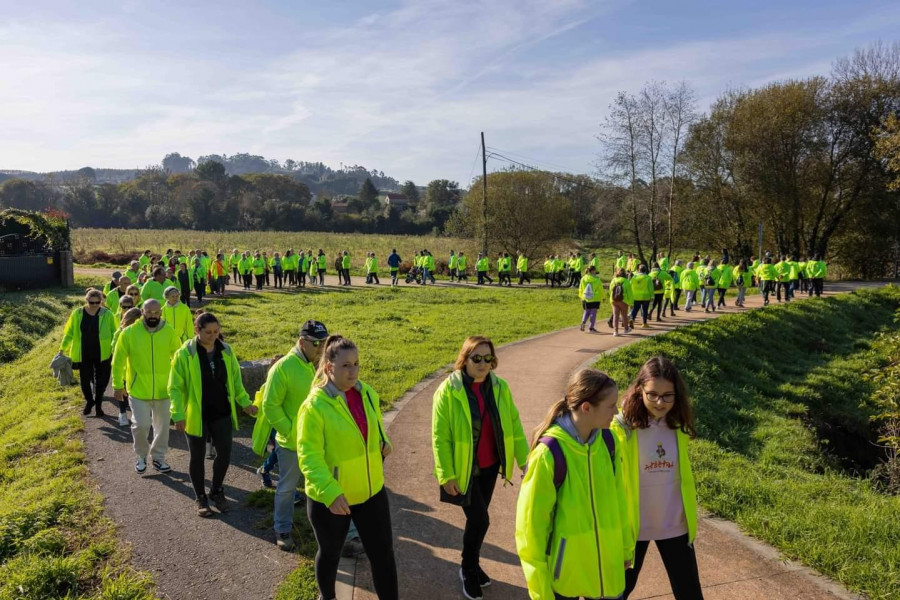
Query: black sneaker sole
(463, 580)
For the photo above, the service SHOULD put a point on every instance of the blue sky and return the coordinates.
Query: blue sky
(404, 87)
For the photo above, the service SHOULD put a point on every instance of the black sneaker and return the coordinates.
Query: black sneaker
(203, 507)
(469, 578)
(483, 579)
(218, 498)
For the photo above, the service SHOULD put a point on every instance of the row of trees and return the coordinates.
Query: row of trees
(206, 197)
(809, 159)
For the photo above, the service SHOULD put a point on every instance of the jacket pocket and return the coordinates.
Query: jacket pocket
(557, 567)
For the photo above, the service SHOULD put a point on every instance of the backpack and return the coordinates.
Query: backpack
(560, 468)
(589, 292)
(618, 294)
(710, 282)
(657, 284)
(674, 276)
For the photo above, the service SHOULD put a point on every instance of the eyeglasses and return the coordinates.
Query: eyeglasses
(477, 358)
(667, 398)
(93, 302)
(314, 343)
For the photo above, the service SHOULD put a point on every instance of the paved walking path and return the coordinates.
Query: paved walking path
(428, 534)
(234, 557)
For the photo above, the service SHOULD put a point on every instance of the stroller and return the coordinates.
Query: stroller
(414, 275)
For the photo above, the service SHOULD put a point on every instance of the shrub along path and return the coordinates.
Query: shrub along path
(234, 557)
(428, 534)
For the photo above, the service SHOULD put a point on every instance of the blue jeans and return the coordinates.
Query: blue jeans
(289, 478)
(272, 458)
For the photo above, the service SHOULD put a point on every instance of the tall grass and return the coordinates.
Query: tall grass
(780, 396)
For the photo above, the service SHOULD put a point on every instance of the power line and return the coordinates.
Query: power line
(474, 160)
(529, 159)
(557, 175)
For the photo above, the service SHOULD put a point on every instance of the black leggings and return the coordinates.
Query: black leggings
(680, 561)
(721, 296)
(94, 379)
(279, 278)
(220, 431)
(259, 281)
(477, 518)
(373, 521)
(657, 304)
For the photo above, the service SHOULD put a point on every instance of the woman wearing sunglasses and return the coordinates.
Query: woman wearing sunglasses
(87, 341)
(476, 435)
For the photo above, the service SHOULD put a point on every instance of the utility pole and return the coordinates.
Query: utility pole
(483, 197)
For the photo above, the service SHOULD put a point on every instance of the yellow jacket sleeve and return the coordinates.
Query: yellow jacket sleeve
(442, 436)
(534, 523)
(311, 454)
(273, 404)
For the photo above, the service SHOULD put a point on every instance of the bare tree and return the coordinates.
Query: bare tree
(681, 112)
(624, 152)
(652, 120)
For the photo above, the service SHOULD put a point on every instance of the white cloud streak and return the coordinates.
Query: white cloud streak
(405, 91)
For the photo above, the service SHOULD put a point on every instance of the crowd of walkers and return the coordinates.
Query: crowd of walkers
(577, 536)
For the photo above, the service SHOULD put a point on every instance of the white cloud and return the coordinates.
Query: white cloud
(405, 91)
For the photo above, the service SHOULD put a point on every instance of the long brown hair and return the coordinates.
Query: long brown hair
(587, 385)
(468, 348)
(636, 415)
(334, 344)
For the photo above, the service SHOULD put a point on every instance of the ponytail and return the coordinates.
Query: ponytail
(558, 409)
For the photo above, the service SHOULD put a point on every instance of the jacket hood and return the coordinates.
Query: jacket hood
(566, 423)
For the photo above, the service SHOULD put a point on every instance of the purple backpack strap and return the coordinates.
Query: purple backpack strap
(559, 460)
(610, 445)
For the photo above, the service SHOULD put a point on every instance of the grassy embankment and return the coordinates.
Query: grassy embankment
(54, 539)
(783, 402)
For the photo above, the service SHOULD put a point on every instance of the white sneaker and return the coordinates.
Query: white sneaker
(123, 420)
(140, 465)
(210, 451)
(161, 466)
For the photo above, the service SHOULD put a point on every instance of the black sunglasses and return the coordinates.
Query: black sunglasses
(477, 358)
(315, 343)
(93, 302)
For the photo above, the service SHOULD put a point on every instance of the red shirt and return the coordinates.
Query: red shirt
(487, 444)
(355, 403)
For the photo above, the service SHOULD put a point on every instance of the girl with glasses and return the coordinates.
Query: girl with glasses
(87, 342)
(476, 436)
(653, 429)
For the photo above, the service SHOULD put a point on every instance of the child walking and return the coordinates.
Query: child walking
(573, 536)
(653, 431)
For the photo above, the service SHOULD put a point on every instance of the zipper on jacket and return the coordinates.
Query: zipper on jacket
(365, 443)
(594, 515)
(557, 569)
(152, 370)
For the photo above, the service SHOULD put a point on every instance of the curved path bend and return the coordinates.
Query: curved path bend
(428, 534)
(233, 557)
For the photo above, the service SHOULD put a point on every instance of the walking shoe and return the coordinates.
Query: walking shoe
(123, 420)
(483, 579)
(140, 465)
(592, 330)
(615, 334)
(352, 548)
(210, 451)
(99, 412)
(471, 589)
(582, 326)
(161, 466)
(658, 320)
(218, 498)
(88, 407)
(265, 477)
(203, 507)
(645, 326)
(284, 541)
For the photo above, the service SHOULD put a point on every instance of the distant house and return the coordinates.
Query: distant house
(340, 205)
(395, 200)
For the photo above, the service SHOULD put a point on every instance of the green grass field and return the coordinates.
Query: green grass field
(55, 541)
(783, 428)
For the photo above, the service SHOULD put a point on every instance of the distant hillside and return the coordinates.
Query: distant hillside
(318, 177)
